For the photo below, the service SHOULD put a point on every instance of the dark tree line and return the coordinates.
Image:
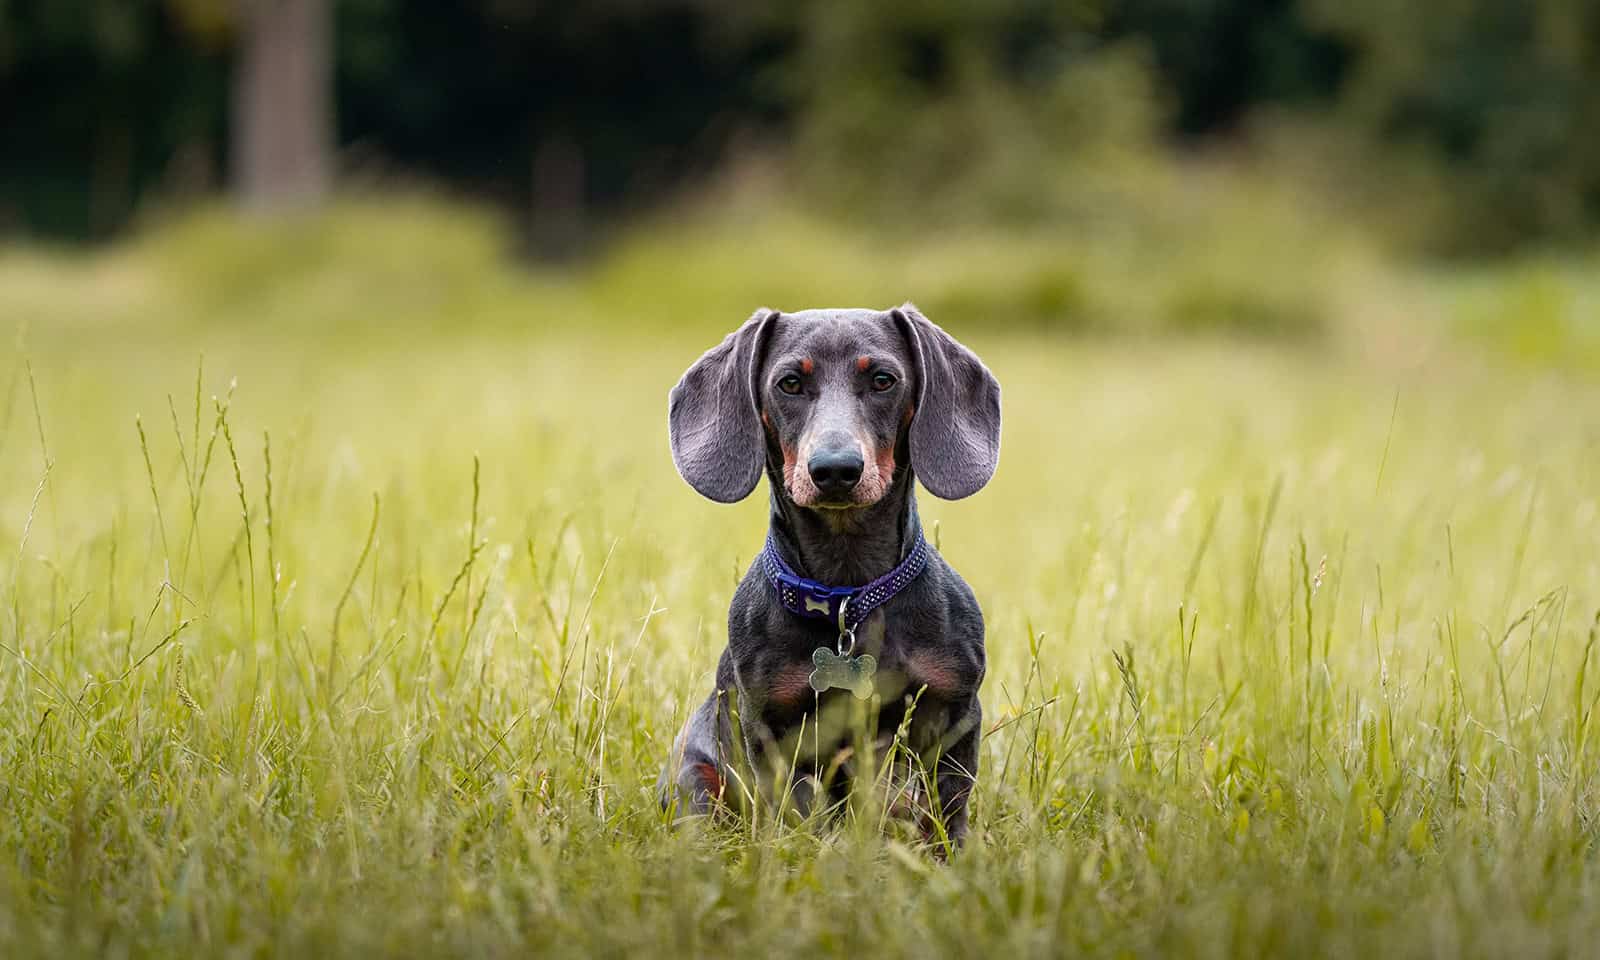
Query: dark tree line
(564, 110)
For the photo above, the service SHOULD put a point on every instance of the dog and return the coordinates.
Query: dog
(849, 621)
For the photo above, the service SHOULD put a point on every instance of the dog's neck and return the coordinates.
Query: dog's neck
(846, 548)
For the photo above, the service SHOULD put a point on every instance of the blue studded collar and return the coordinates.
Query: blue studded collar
(846, 606)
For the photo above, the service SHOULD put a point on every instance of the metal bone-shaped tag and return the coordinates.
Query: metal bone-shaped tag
(846, 673)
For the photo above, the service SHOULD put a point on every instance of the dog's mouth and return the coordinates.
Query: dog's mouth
(838, 506)
(877, 476)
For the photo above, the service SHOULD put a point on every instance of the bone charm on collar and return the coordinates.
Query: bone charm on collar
(846, 673)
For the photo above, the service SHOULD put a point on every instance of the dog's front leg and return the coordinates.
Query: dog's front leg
(769, 759)
(956, 771)
(696, 774)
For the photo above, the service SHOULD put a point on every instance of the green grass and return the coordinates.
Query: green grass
(1289, 654)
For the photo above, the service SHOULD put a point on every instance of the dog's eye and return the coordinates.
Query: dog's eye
(882, 381)
(790, 385)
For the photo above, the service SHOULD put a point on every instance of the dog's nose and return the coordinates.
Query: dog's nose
(835, 471)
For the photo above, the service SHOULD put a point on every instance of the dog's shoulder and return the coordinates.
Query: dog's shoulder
(943, 592)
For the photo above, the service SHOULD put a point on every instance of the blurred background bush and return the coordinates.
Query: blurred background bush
(1181, 166)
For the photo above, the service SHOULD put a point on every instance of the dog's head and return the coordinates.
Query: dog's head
(836, 398)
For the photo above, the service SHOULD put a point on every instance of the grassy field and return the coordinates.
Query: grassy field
(350, 603)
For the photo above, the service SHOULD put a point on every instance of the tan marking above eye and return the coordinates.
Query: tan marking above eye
(863, 363)
(808, 366)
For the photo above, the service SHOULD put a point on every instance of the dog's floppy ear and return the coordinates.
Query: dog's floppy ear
(955, 429)
(712, 416)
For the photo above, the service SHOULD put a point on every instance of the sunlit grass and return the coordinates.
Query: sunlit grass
(1286, 655)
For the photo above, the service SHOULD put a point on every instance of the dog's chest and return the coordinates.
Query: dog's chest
(885, 662)
(909, 663)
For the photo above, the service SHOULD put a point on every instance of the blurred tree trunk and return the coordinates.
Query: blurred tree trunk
(558, 219)
(283, 103)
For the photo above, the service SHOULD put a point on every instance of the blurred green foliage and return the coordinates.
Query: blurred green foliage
(1225, 256)
(1473, 120)
(1501, 99)
(1540, 311)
